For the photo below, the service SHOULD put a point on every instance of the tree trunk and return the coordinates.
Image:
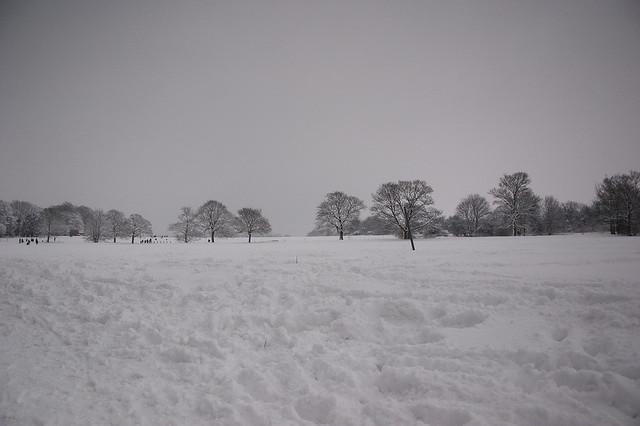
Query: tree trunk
(249, 236)
(341, 234)
(408, 224)
(114, 239)
(629, 231)
(212, 233)
(132, 237)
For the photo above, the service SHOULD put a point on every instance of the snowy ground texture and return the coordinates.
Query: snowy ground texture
(486, 331)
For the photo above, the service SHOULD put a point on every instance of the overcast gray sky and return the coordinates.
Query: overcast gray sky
(147, 106)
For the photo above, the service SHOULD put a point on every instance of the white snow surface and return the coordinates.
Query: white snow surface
(301, 331)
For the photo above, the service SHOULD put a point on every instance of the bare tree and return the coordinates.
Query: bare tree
(116, 222)
(96, 223)
(252, 222)
(136, 226)
(187, 226)
(552, 215)
(516, 202)
(52, 216)
(214, 217)
(338, 210)
(472, 210)
(405, 204)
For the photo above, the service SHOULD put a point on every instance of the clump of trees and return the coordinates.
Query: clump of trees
(519, 211)
(23, 219)
(618, 202)
(405, 208)
(552, 215)
(20, 218)
(213, 218)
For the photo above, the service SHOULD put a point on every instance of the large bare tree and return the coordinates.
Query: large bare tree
(96, 223)
(116, 223)
(252, 222)
(472, 210)
(517, 204)
(338, 210)
(405, 204)
(137, 226)
(187, 226)
(214, 217)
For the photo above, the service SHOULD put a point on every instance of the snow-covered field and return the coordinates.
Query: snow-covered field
(295, 331)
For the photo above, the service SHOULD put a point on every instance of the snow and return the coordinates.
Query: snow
(301, 331)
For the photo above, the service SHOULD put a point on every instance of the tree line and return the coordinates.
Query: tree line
(405, 208)
(24, 219)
